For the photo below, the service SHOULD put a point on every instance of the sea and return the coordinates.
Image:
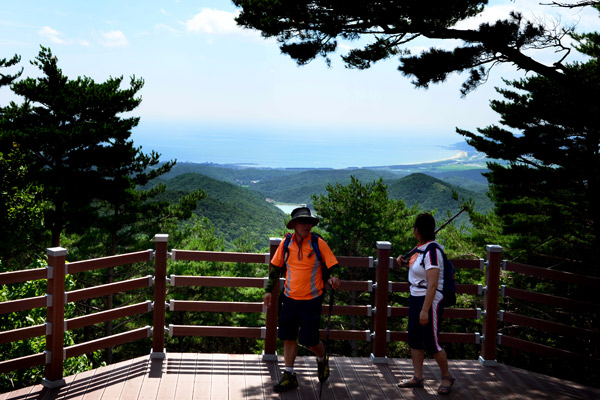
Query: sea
(294, 148)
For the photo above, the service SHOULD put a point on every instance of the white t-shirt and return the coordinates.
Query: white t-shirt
(416, 273)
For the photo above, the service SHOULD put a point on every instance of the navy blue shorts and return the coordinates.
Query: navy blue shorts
(300, 319)
(424, 337)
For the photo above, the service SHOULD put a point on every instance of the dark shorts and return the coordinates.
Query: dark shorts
(300, 319)
(424, 337)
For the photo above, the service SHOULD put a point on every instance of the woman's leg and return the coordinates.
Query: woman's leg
(417, 356)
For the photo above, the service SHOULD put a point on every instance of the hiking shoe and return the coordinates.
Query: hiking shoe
(288, 381)
(323, 369)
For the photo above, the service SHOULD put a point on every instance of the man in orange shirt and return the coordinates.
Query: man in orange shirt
(303, 293)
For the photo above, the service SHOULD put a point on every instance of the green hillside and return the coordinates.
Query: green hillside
(299, 187)
(431, 193)
(233, 210)
(236, 210)
(232, 174)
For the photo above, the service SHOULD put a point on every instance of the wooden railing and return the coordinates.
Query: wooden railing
(380, 313)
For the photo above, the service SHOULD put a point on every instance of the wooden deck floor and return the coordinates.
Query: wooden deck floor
(238, 376)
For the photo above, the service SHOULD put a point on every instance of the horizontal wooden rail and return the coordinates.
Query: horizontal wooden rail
(359, 286)
(458, 264)
(215, 306)
(467, 264)
(109, 341)
(546, 273)
(468, 313)
(445, 337)
(549, 326)
(219, 256)
(531, 347)
(22, 333)
(364, 311)
(23, 276)
(109, 288)
(218, 331)
(109, 315)
(216, 281)
(22, 362)
(361, 262)
(112, 261)
(338, 334)
(548, 299)
(23, 304)
(467, 288)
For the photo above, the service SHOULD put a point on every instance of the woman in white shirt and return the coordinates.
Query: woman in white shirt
(425, 303)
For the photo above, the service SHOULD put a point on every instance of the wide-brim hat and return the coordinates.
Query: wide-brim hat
(301, 213)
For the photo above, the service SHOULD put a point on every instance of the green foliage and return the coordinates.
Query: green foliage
(547, 196)
(234, 211)
(35, 345)
(310, 29)
(358, 215)
(70, 133)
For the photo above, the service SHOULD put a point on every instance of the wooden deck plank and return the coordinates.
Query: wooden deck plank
(306, 371)
(152, 379)
(365, 371)
(96, 387)
(237, 383)
(351, 378)
(222, 376)
(80, 384)
(386, 375)
(187, 373)
(168, 382)
(203, 377)
(253, 389)
(135, 377)
(269, 375)
(405, 370)
(115, 381)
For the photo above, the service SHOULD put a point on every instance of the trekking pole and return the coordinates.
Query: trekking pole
(331, 291)
(407, 255)
(450, 220)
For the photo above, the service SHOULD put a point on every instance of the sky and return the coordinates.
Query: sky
(215, 92)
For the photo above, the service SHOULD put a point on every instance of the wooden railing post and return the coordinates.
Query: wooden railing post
(55, 318)
(270, 352)
(381, 303)
(490, 304)
(160, 288)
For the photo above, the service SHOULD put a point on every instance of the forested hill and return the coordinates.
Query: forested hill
(236, 209)
(431, 193)
(299, 187)
(233, 210)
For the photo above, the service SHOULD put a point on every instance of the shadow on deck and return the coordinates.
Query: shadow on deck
(242, 376)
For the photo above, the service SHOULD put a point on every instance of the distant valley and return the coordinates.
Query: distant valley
(237, 205)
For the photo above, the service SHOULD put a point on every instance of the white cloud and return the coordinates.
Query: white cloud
(215, 22)
(163, 11)
(51, 34)
(113, 39)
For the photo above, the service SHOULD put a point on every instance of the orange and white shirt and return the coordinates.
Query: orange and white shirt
(304, 278)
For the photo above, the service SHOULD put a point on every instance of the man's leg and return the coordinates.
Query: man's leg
(319, 349)
(290, 351)
(288, 378)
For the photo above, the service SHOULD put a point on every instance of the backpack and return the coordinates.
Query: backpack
(315, 246)
(449, 289)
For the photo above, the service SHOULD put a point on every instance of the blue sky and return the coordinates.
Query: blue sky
(206, 79)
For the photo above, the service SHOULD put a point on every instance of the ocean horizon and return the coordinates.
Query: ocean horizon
(296, 148)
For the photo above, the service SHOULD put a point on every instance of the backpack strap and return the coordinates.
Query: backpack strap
(314, 244)
(431, 247)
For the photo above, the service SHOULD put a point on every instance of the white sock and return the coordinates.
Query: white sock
(289, 370)
(320, 359)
